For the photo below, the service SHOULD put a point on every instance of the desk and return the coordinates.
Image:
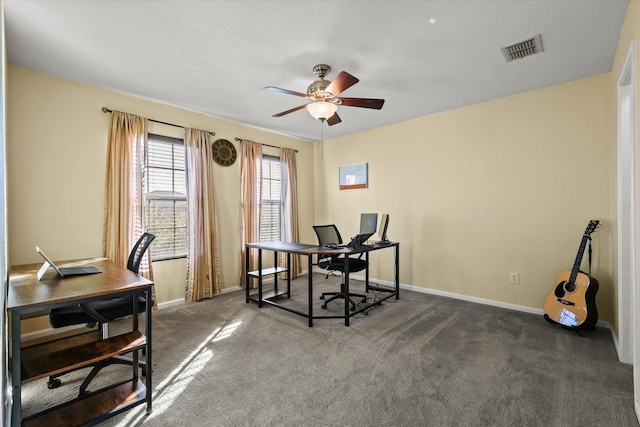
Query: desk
(27, 296)
(310, 250)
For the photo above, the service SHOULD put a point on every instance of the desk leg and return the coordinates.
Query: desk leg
(246, 271)
(288, 274)
(310, 293)
(275, 276)
(16, 377)
(149, 369)
(397, 268)
(366, 273)
(260, 278)
(135, 327)
(346, 290)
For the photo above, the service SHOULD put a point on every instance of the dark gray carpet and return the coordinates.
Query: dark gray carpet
(421, 361)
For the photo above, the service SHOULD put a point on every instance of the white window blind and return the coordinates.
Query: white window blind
(166, 197)
(271, 185)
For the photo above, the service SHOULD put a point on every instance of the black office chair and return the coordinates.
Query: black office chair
(329, 234)
(101, 312)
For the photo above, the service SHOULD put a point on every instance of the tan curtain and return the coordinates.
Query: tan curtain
(250, 199)
(289, 208)
(203, 273)
(124, 200)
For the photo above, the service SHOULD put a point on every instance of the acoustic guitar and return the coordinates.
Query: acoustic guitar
(572, 302)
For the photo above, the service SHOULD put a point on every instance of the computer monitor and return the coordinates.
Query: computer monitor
(382, 230)
(368, 224)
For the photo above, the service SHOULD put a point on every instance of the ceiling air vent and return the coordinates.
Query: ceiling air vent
(522, 49)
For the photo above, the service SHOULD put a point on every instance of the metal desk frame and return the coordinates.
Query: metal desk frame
(310, 250)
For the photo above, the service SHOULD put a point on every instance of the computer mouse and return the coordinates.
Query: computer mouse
(331, 246)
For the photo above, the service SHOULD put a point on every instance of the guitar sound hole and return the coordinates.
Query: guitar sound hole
(570, 287)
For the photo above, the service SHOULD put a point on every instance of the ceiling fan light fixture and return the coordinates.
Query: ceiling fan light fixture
(322, 110)
(323, 95)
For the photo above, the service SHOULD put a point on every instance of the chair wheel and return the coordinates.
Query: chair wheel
(353, 308)
(54, 383)
(321, 296)
(364, 300)
(324, 306)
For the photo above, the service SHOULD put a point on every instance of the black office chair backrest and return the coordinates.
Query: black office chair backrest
(327, 234)
(135, 257)
(106, 309)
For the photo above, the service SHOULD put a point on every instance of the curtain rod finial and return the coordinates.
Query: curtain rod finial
(105, 110)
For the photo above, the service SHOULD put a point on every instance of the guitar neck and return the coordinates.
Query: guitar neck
(578, 261)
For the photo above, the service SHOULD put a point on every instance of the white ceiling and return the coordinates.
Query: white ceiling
(215, 57)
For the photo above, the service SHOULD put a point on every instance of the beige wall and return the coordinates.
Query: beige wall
(479, 192)
(473, 194)
(56, 143)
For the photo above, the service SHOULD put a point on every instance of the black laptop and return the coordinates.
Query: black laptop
(65, 271)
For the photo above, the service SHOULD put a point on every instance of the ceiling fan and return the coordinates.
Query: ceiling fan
(324, 96)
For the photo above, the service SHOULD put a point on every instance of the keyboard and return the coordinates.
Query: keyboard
(78, 271)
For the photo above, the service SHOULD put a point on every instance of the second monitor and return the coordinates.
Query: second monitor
(382, 230)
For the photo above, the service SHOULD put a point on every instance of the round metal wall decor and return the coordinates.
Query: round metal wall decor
(224, 153)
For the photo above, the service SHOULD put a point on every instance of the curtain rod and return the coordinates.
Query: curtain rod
(106, 110)
(241, 140)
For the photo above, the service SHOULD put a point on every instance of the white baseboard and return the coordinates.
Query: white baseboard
(179, 301)
(168, 304)
(419, 289)
(522, 308)
(43, 333)
(615, 340)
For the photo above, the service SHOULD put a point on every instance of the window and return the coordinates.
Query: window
(165, 203)
(270, 213)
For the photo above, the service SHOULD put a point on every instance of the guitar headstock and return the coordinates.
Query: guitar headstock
(591, 227)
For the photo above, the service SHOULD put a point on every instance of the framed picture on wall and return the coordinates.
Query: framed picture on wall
(354, 176)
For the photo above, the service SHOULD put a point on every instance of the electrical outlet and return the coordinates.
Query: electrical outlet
(514, 278)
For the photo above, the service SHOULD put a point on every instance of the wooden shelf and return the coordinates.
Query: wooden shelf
(267, 271)
(268, 294)
(54, 358)
(56, 342)
(101, 404)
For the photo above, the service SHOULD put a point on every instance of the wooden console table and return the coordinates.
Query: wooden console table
(28, 296)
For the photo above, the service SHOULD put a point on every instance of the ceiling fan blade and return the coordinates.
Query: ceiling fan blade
(342, 82)
(285, 91)
(376, 104)
(334, 120)
(289, 111)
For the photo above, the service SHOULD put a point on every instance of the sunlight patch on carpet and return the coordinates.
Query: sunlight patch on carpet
(176, 382)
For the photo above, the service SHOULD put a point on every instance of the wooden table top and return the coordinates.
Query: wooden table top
(26, 291)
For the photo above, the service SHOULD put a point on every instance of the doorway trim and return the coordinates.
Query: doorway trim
(628, 339)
